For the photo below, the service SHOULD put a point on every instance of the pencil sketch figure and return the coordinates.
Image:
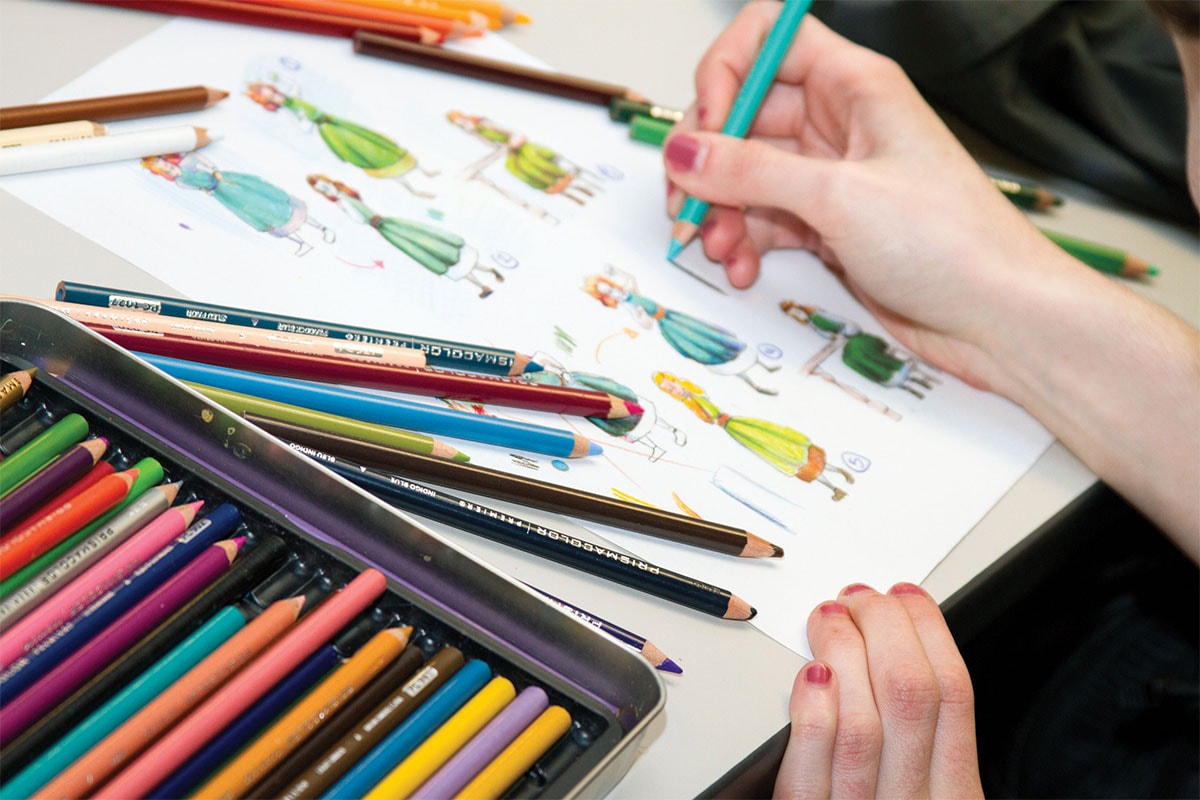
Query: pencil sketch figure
(371, 151)
(865, 353)
(786, 449)
(260, 204)
(703, 342)
(636, 429)
(436, 249)
(536, 165)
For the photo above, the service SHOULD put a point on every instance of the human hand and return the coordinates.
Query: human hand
(886, 708)
(845, 159)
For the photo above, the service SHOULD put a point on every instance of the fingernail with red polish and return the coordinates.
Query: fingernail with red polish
(832, 608)
(817, 674)
(908, 588)
(685, 153)
(707, 226)
(856, 588)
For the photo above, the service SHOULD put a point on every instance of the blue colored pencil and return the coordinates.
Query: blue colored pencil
(247, 726)
(438, 352)
(381, 409)
(124, 704)
(375, 765)
(745, 108)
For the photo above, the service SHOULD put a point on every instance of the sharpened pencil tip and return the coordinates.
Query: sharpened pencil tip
(776, 551)
(461, 457)
(670, 666)
(634, 408)
(674, 249)
(533, 366)
(594, 449)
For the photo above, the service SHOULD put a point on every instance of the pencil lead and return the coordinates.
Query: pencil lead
(594, 449)
(670, 666)
(674, 249)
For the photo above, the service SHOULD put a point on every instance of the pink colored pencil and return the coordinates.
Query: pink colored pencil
(67, 603)
(244, 688)
(124, 632)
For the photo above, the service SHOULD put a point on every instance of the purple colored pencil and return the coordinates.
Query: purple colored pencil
(121, 634)
(51, 479)
(484, 746)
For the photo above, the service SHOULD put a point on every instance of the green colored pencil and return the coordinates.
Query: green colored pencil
(1023, 195)
(1106, 259)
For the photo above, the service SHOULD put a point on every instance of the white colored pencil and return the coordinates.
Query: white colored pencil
(101, 149)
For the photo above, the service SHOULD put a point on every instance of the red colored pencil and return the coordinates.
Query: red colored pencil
(37, 535)
(51, 479)
(427, 381)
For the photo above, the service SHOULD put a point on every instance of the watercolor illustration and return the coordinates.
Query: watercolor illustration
(260, 204)
(786, 449)
(703, 342)
(371, 151)
(438, 250)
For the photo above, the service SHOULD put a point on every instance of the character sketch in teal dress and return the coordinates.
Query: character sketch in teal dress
(438, 250)
(260, 204)
(718, 349)
(536, 165)
(371, 151)
(786, 449)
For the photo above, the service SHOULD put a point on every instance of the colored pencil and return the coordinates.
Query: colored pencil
(14, 385)
(360, 707)
(479, 752)
(94, 582)
(114, 107)
(396, 726)
(263, 558)
(94, 653)
(135, 516)
(649, 130)
(520, 755)
(429, 738)
(67, 468)
(529, 492)
(438, 352)
(36, 535)
(538, 540)
(147, 726)
(386, 435)
(102, 149)
(486, 69)
(243, 689)
(44, 447)
(490, 15)
(150, 473)
(441, 745)
(57, 132)
(1108, 260)
(291, 689)
(374, 18)
(138, 330)
(745, 108)
(239, 776)
(125, 704)
(657, 658)
(1023, 195)
(500, 12)
(382, 409)
(242, 13)
(622, 110)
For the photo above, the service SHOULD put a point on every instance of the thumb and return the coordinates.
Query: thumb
(728, 171)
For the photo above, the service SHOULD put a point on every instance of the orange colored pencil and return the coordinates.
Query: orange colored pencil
(37, 535)
(369, 17)
(239, 775)
(491, 8)
(243, 689)
(141, 730)
(431, 8)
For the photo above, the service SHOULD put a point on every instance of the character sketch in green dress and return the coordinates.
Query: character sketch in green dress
(720, 350)
(371, 151)
(786, 449)
(438, 250)
(536, 165)
(260, 204)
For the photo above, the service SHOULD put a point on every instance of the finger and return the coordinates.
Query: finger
(805, 770)
(955, 758)
(836, 640)
(905, 690)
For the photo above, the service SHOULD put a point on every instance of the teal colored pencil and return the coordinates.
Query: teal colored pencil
(124, 704)
(745, 108)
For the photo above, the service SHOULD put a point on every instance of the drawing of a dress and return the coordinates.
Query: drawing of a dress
(260, 204)
(865, 353)
(704, 342)
(371, 151)
(786, 449)
(438, 250)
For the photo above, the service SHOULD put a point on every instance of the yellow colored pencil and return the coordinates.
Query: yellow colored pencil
(239, 776)
(445, 741)
(432, 8)
(519, 756)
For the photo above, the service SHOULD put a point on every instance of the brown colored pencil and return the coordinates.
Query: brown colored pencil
(113, 107)
(529, 492)
(471, 66)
